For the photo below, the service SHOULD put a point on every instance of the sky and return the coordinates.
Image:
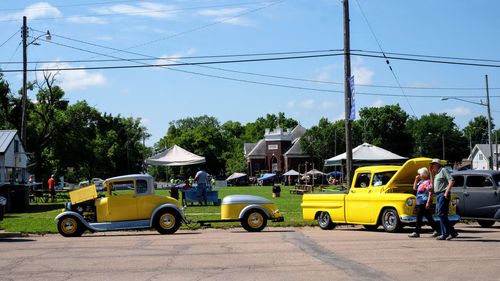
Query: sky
(259, 43)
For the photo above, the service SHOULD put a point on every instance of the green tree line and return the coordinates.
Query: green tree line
(79, 142)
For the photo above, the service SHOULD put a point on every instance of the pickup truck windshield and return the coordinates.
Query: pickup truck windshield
(382, 178)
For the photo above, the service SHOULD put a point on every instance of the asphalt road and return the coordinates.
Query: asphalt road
(346, 253)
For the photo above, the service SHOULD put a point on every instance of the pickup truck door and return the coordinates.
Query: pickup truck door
(358, 201)
(480, 197)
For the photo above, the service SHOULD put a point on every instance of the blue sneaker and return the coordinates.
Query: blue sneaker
(453, 235)
(442, 237)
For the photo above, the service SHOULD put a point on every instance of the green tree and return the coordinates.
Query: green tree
(477, 130)
(386, 127)
(255, 131)
(434, 132)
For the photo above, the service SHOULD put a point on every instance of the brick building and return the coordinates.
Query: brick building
(278, 152)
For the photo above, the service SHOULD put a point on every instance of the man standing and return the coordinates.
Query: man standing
(52, 190)
(201, 180)
(443, 183)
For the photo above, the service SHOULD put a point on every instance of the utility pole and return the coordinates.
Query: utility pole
(24, 34)
(347, 94)
(490, 159)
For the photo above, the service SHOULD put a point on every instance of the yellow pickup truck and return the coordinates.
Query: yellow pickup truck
(379, 195)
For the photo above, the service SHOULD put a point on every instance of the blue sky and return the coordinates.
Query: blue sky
(178, 29)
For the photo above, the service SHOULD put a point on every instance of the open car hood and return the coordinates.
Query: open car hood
(406, 174)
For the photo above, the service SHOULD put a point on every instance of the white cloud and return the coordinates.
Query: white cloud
(328, 105)
(378, 103)
(144, 9)
(174, 58)
(74, 80)
(34, 11)
(228, 15)
(324, 74)
(87, 20)
(362, 74)
(458, 111)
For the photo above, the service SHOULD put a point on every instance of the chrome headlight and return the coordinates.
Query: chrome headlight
(410, 202)
(455, 201)
(68, 206)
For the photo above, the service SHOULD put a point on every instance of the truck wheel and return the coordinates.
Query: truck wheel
(167, 221)
(325, 222)
(390, 220)
(485, 223)
(254, 220)
(69, 226)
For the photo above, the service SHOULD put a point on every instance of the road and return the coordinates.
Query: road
(346, 253)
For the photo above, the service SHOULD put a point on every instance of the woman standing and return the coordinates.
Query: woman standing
(423, 187)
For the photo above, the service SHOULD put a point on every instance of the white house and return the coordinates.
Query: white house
(480, 155)
(13, 159)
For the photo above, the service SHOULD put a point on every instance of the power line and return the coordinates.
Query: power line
(181, 58)
(1, 45)
(386, 60)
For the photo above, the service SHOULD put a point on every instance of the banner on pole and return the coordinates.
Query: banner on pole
(352, 114)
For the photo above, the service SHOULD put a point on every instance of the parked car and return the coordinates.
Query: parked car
(479, 193)
(129, 202)
(379, 195)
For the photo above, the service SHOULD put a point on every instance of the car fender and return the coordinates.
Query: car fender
(254, 206)
(171, 206)
(77, 216)
(497, 215)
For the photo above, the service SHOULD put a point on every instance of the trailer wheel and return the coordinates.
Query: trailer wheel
(167, 221)
(254, 220)
(325, 222)
(69, 226)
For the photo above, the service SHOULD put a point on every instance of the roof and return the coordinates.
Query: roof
(485, 150)
(476, 172)
(297, 132)
(6, 137)
(367, 153)
(175, 156)
(258, 151)
(295, 149)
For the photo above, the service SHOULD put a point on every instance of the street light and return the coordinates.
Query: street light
(24, 34)
(487, 104)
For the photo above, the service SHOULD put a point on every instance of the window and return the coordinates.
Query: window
(479, 181)
(363, 180)
(272, 147)
(459, 181)
(496, 178)
(122, 187)
(16, 146)
(480, 156)
(382, 178)
(141, 186)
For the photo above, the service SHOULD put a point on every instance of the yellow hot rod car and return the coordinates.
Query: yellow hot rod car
(379, 195)
(130, 202)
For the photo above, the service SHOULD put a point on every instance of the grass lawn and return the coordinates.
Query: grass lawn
(40, 216)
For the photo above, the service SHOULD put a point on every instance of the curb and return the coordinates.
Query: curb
(4, 234)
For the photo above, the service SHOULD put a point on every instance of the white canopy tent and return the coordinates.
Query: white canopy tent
(315, 172)
(367, 154)
(291, 172)
(236, 176)
(175, 156)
